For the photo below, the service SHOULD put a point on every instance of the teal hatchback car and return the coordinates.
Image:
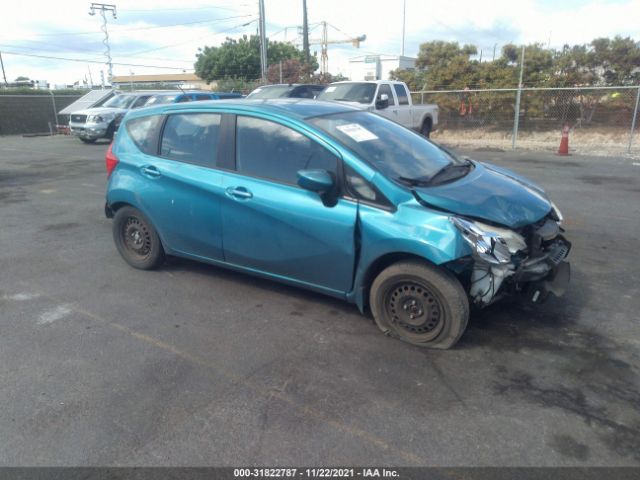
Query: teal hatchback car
(330, 198)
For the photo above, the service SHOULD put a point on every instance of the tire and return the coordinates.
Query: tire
(425, 130)
(87, 140)
(136, 239)
(419, 304)
(111, 130)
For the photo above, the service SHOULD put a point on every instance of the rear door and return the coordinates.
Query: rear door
(272, 225)
(404, 109)
(184, 186)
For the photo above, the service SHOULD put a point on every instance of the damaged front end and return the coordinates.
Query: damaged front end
(529, 260)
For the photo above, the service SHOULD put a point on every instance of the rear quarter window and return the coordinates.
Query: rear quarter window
(144, 132)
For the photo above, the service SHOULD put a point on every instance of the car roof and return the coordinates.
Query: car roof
(292, 107)
(292, 85)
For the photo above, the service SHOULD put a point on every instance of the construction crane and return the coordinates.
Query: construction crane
(324, 44)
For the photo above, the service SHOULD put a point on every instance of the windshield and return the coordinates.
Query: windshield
(160, 99)
(350, 92)
(119, 101)
(395, 151)
(270, 92)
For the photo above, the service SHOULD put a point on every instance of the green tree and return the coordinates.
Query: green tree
(241, 58)
(618, 58)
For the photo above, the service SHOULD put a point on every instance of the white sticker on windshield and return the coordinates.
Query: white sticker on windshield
(330, 89)
(357, 132)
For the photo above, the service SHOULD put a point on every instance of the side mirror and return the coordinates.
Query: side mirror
(319, 181)
(382, 102)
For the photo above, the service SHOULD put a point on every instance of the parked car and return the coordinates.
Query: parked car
(182, 97)
(334, 199)
(102, 122)
(389, 99)
(293, 90)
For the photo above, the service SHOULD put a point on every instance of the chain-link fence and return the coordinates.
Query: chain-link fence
(20, 114)
(602, 120)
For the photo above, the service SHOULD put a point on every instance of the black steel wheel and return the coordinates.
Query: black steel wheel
(415, 308)
(420, 304)
(136, 239)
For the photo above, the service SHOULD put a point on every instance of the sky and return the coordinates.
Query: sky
(163, 36)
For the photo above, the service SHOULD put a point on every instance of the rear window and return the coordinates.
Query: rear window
(191, 138)
(144, 132)
(401, 93)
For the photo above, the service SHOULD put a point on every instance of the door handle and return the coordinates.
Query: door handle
(239, 193)
(150, 171)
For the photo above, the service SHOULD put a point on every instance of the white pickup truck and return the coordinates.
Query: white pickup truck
(387, 98)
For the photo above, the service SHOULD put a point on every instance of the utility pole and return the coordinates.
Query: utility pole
(305, 34)
(516, 119)
(404, 19)
(324, 48)
(4, 75)
(263, 42)
(103, 8)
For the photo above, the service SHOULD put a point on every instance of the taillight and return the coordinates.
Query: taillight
(111, 160)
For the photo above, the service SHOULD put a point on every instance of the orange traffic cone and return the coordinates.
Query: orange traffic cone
(564, 141)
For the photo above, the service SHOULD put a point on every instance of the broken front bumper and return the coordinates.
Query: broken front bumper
(543, 272)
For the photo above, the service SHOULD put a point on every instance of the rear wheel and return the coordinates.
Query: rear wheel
(419, 304)
(425, 130)
(136, 239)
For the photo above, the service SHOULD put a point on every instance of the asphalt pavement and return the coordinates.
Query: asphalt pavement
(101, 364)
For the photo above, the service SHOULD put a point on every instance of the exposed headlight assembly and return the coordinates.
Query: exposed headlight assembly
(492, 244)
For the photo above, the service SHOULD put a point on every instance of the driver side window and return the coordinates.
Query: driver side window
(386, 89)
(269, 150)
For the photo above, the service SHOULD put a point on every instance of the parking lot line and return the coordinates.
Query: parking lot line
(302, 410)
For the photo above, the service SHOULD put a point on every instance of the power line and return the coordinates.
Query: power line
(93, 32)
(85, 60)
(183, 9)
(191, 40)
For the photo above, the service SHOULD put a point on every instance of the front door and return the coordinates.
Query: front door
(272, 225)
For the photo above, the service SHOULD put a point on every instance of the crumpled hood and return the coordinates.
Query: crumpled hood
(100, 110)
(490, 193)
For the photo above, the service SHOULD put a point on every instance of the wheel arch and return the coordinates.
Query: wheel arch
(113, 207)
(378, 265)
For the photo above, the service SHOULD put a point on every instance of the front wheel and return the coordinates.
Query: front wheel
(87, 140)
(136, 239)
(419, 304)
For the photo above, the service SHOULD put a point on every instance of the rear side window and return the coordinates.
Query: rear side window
(203, 97)
(401, 92)
(140, 101)
(144, 132)
(191, 138)
(268, 150)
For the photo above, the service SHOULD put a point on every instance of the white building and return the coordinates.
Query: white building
(377, 67)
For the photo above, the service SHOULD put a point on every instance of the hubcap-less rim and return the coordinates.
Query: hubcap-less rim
(415, 309)
(137, 237)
